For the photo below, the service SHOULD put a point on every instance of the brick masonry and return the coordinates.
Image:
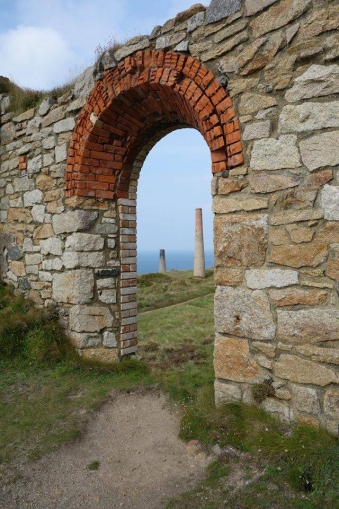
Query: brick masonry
(259, 80)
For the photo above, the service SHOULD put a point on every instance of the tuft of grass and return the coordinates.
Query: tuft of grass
(93, 466)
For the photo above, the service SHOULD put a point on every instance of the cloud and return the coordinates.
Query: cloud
(34, 57)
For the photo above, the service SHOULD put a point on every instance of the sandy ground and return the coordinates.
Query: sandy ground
(142, 463)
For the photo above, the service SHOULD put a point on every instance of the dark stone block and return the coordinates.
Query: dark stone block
(107, 273)
(219, 9)
(14, 253)
(24, 284)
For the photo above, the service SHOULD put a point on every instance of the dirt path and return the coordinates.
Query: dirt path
(142, 463)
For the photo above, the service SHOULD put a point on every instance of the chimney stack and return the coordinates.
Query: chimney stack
(162, 261)
(199, 253)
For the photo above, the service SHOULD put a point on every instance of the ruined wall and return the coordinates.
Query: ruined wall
(259, 80)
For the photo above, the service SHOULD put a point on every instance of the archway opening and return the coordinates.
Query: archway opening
(174, 309)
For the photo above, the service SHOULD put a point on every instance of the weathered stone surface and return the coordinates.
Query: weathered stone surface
(103, 284)
(308, 117)
(43, 232)
(266, 348)
(72, 259)
(225, 205)
(278, 16)
(320, 150)
(331, 404)
(251, 103)
(243, 313)
(85, 340)
(228, 277)
(65, 125)
(305, 399)
(329, 200)
(299, 234)
(108, 296)
(74, 287)
(141, 42)
(272, 154)
(257, 130)
(84, 242)
(291, 367)
(224, 47)
(90, 318)
(219, 9)
(166, 41)
(329, 233)
(73, 221)
(257, 279)
(32, 197)
(230, 30)
(228, 186)
(53, 264)
(332, 269)
(294, 216)
(22, 184)
(225, 392)
(268, 183)
(109, 340)
(298, 296)
(18, 268)
(38, 213)
(195, 21)
(85, 82)
(279, 71)
(318, 354)
(317, 81)
(232, 360)
(240, 240)
(33, 259)
(320, 178)
(303, 255)
(322, 20)
(52, 246)
(278, 236)
(275, 406)
(308, 325)
(253, 6)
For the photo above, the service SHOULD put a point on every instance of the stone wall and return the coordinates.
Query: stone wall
(259, 80)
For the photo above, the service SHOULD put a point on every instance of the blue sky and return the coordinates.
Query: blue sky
(44, 43)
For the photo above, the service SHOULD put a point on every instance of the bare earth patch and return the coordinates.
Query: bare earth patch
(130, 457)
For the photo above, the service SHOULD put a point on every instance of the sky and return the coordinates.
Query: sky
(45, 43)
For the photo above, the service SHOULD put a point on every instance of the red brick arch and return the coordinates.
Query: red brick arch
(147, 93)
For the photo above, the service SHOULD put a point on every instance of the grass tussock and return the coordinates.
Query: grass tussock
(23, 98)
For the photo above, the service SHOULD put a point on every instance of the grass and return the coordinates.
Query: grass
(23, 98)
(262, 463)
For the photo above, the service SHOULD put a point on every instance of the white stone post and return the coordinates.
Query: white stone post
(199, 253)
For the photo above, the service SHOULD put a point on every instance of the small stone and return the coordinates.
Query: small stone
(298, 296)
(299, 234)
(294, 216)
(265, 348)
(227, 204)
(167, 41)
(295, 369)
(278, 16)
(272, 154)
(244, 313)
(257, 130)
(34, 165)
(305, 399)
(108, 296)
(65, 125)
(85, 340)
(103, 355)
(317, 81)
(308, 325)
(267, 278)
(74, 287)
(232, 360)
(251, 103)
(84, 242)
(90, 318)
(43, 232)
(71, 259)
(128, 49)
(32, 197)
(73, 221)
(303, 255)
(318, 354)
(240, 240)
(253, 6)
(219, 9)
(228, 277)
(329, 201)
(52, 246)
(331, 404)
(225, 392)
(110, 340)
(228, 186)
(267, 183)
(308, 117)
